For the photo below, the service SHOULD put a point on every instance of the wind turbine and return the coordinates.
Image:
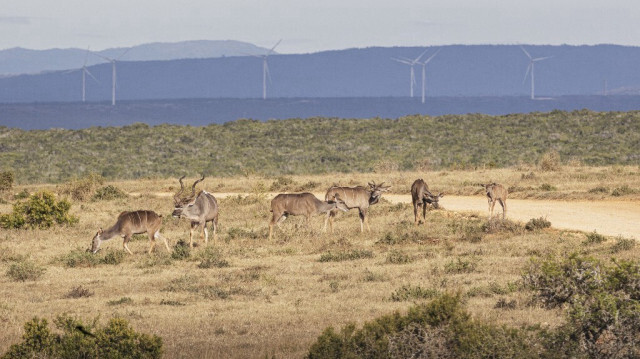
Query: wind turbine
(113, 73)
(85, 72)
(424, 76)
(411, 63)
(532, 62)
(265, 69)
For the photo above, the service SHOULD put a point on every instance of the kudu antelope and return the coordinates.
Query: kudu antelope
(496, 193)
(421, 196)
(355, 197)
(198, 209)
(301, 204)
(128, 224)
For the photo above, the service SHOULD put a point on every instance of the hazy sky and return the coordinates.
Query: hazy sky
(310, 26)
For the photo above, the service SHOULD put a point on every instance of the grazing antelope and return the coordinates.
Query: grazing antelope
(355, 197)
(301, 204)
(128, 224)
(421, 196)
(496, 193)
(198, 209)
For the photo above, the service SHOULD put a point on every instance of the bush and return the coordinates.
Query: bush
(536, 224)
(77, 340)
(547, 187)
(79, 292)
(550, 161)
(83, 188)
(41, 210)
(6, 180)
(25, 270)
(623, 244)
(409, 292)
(212, 257)
(398, 257)
(345, 255)
(79, 258)
(622, 191)
(599, 189)
(498, 225)
(181, 250)
(108, 193)
(460, 266)
(594, 238)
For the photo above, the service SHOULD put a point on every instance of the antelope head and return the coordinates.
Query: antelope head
(433, 200)
(95, 242)
(339, 203)
(181, 202)
(376, 191)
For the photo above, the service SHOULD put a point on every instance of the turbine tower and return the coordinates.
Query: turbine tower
(532, 62)
(411, 63)
(113, 73)
(424, 76)
(85, 72)
(265, 69)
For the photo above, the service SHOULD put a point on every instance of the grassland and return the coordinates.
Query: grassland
(321, 146)
(247, 297)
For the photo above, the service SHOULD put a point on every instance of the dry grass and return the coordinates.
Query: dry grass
(276, 298)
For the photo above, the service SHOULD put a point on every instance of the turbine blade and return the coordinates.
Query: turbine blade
(401, 60)
(431, 57)
(86, 57)
(274, 47)
(124, 53)
(104, 57)
(525, 52)
(419, 57)
(266, 67)
(542, 58)
(526, 73)
(90, 74)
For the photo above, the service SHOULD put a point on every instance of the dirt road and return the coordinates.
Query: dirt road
(610, 218)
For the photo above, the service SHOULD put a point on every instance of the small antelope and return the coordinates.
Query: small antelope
(301, 204)
(198, 209)
(421, 196)
(128, 224)
(496, 193)
(355, 197)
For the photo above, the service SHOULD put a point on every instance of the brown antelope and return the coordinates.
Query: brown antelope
(198, 209)
(355, 197)
(128, 224)
(300, 204)
(496, 193)
(421, 196)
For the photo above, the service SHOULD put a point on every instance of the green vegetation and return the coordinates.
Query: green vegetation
(77, 340)
(25, 270)
(323, 145)
(41, 210)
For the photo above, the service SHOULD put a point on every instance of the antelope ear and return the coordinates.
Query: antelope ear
(100, 230)
(441, 194)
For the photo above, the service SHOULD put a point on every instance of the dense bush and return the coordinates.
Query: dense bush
(108, 193)
(77, 340)
(550, 161)
(82, 189)
(345, 255)
(6, 180)
(41, 210)
(438, 329)
(242, 147)
(535, 224)
(25, 270)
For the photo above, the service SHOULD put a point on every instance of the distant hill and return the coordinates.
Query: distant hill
(24, 61)
(457, 70)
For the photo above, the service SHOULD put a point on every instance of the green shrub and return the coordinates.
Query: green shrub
(41, 210)
(83, 188)
(599, 189)
(181, 250)
(210, 258)
(547, 187)
(498, 225)
(25, 270)
(77, 340)
(409, 292)
(622, 191)
(113, 257)
(108, 193)
(536, 224)
(6, 180)
(282, 183)
(398, 257)
(79, 292)
(345, 255)
(594, 238)
(460, 266)
(123, 300)
(79, 258)
(623, 244)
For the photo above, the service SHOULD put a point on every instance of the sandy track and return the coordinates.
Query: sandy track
(612, 218)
